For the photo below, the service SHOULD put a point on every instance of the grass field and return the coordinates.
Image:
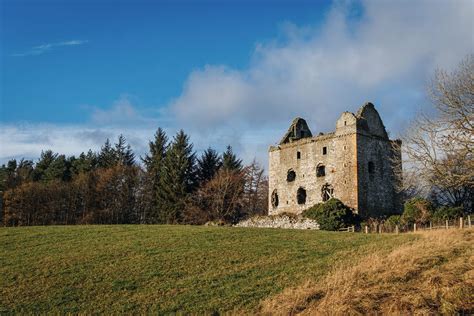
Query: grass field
(168, 269)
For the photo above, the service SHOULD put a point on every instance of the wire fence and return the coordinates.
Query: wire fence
(383, 227)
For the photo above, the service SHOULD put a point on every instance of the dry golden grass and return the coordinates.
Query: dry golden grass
(431, 275)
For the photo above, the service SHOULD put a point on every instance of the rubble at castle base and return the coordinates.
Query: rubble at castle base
(281, 221)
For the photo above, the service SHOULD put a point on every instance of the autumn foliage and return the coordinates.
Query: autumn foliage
(110, 187)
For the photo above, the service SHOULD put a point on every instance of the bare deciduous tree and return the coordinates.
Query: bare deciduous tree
(255, 190)
(438, 149)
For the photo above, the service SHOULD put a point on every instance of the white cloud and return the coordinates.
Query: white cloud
(121, 112)
(385, 56)
(28, 140)
(41, 49)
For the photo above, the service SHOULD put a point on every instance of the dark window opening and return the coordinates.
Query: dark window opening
(371, 167)
(301, 196)
(345, 123)
(320, 171)
(327, 192)
(298, 155)
(325, 150)
(274, 199)
(291, 175)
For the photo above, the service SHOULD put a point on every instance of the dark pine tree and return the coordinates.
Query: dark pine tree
(177, 180)
(154, 165)
(46, 159)
(154, 159)
(107, 157)
(57, 169)
(84, 163)
(123, 152)
(230, 161)
(208, 165)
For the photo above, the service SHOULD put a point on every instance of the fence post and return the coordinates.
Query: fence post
(380, 229)
(469, 221)
(353, 228)
(431, 226)
(396, 229)
(461, 223)
(414, 227)
(447, 224)
(366, 229)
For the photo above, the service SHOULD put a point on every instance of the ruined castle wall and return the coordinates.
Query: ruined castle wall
(338, 161)
(377, 192)
(358, 162)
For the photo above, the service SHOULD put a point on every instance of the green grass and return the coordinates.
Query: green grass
(165, 269)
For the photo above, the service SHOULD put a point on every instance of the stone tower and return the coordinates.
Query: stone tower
(354, 164)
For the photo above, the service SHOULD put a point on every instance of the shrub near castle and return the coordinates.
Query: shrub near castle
(332, 215)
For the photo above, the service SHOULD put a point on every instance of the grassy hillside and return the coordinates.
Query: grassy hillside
(167, 268)
(430, 276)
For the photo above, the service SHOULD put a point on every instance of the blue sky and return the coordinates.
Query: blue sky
(142, 48)
(228, 72)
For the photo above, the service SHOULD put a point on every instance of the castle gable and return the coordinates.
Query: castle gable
(298, 129)
(368, 119)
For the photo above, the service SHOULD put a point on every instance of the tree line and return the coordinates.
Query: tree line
(171, 185)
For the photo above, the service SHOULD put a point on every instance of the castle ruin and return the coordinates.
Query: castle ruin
(354, 164)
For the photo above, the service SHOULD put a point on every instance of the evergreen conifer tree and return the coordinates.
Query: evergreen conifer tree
(107, 157)
(177, 179)
(154, 159)
(208, 165)
(230, 160)
(46, 159)
(57, 169)
(123, 152)
(154, 165)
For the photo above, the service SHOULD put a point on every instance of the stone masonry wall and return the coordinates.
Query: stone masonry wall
(358, 140)
(283, 221)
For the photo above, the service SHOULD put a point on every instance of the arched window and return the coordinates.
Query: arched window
(274, 198)
(290, 175)
(371, 167)
(301, 196)
(320, 171)
(327, 192)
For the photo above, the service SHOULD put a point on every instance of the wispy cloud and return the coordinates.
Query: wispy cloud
(43, 48)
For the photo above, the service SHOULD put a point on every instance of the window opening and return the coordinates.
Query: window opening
(320, 171)
(301, 196)
(275, 199)
(290, 175)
